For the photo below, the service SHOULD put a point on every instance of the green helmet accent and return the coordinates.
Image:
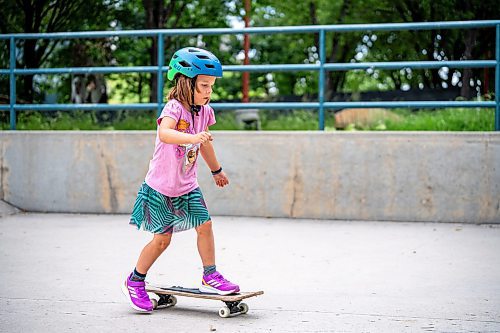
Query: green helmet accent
(192, 61)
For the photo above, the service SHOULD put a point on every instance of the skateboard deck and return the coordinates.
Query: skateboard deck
(166, 297)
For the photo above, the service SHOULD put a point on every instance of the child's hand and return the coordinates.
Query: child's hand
(201, 137)
(221, 179)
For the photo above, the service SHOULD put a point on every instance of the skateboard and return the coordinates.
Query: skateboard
(166, 297)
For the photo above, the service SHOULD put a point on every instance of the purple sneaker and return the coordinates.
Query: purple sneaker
(137, 296)
(215, 283)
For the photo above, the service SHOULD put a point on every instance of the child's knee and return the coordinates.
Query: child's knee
(162, 241)
(205, 228)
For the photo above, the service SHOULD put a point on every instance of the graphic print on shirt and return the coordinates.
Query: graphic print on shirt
(189, 152)
(183, 126)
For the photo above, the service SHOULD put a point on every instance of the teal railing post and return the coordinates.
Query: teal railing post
(497, 81)
(321, 87)
(161, 60)
(12, 80)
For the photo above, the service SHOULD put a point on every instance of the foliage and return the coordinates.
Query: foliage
(452, 119)
(432, 45)
(459, 119)
(299, 48)
(293, 120)
(49, 16)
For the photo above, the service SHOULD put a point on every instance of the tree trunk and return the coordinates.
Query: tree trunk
(153, 96)
(29, 51)
(470, 42)
(34, 50)
(332, 78)
(157, 13)
(151, 23)
(435, 78)
(314, 21)
(29, 62)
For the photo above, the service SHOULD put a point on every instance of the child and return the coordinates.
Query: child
(169, 199)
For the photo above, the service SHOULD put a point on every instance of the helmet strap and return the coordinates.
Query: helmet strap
(195, 109)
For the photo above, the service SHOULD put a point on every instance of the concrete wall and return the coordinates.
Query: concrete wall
(396, 176)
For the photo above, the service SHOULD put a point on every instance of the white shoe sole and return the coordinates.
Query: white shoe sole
(127, 296)
(207, 289)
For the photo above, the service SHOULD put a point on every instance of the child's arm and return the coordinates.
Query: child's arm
(168, 134)
(208, 153)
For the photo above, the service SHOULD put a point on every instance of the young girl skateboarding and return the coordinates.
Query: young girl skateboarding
(170, 199)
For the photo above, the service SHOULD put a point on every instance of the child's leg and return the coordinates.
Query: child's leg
(134, 286)
(152, 251)
(212, 280)
(206, 243)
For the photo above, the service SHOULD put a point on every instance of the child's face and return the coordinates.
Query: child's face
(203, 91)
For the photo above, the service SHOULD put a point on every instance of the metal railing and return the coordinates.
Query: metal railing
(322, 67)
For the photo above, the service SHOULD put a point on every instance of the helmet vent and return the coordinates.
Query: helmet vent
(209, 66)
(184, 64)
(202, 56)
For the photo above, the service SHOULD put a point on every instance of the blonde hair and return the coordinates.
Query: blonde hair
(182, 91)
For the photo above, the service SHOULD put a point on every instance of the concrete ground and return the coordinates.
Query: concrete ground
(62, 273)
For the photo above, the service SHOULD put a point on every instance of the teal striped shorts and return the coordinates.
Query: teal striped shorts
(160, 214)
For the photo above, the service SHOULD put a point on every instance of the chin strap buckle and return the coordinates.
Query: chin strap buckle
(195, 109)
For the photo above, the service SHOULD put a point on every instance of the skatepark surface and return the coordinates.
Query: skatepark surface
(62, 273)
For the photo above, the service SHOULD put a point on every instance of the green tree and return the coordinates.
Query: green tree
(175, 14)
(65, 15)
(439, 44)
(304, 48)
(44, 16)
(431, 45)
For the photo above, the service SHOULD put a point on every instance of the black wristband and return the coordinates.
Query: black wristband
(216, 172)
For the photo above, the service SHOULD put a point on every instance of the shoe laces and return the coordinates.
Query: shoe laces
(141, 292)
(220, 278)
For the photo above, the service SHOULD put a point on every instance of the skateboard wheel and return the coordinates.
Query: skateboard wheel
(224, 312)
(243, 308)
(155, 303)
(172, 300)
(154, 299)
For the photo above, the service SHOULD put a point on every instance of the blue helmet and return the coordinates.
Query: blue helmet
(192, 61)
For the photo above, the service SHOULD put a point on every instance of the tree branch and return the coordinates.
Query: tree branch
(178, 17)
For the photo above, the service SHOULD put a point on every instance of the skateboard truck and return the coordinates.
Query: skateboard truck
(233, 308)
(164, 301)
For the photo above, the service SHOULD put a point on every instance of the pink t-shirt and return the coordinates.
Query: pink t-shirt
(172, 170)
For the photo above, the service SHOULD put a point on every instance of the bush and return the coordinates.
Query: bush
(452, 119)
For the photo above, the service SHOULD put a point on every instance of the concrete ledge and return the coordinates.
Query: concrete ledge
(6, 209)
(384, 176)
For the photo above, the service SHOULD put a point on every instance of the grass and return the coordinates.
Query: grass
(294, 120)
(452, 119)
(456, 119)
